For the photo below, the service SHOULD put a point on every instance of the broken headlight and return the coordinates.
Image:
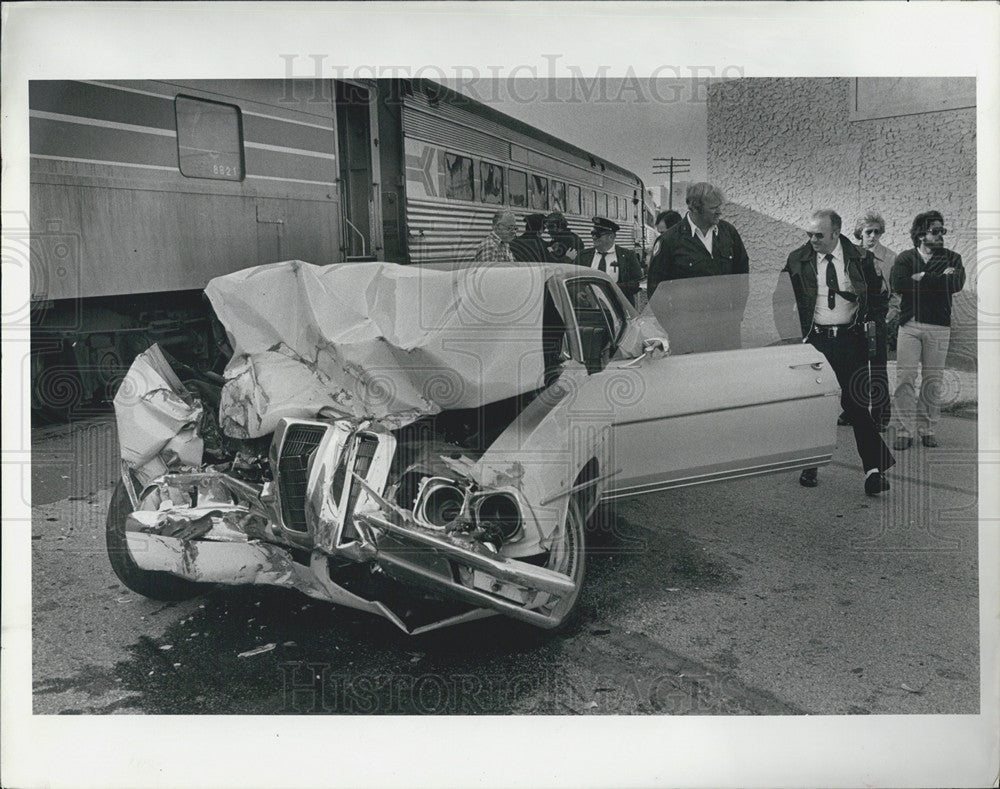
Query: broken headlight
(440, 503)
(499, 509)
(443, 503)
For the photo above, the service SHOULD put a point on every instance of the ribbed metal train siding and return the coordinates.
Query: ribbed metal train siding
(450, 233)
(423, 126)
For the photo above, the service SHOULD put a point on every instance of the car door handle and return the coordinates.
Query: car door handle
(813, 365)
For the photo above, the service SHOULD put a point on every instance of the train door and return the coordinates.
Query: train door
(390, 187)
(361, 236)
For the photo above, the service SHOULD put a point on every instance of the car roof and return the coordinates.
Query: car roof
(559, 270)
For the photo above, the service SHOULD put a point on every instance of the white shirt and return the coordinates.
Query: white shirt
(706, 238)
(843, 311)
(610, 257)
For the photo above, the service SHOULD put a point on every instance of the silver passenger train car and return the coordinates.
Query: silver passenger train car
(143, 191)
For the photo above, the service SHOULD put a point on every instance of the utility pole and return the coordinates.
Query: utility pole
(670, 166)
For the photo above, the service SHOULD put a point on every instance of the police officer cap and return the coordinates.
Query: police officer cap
(605, 225)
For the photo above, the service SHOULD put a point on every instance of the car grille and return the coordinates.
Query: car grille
(367, 445)
(293, 472)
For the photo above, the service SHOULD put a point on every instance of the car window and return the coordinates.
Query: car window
(600, 320)
(581, 295)
(612, 310)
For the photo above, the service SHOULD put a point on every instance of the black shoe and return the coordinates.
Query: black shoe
(929, 441)
(876, 483)
(807, 478)
(901, 443)
(843, 420)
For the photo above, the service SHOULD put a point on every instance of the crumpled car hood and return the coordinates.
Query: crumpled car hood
(374, 341)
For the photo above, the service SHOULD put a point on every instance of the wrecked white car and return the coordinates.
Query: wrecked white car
(387, 434)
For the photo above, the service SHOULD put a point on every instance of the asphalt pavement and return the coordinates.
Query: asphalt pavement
(743, 598)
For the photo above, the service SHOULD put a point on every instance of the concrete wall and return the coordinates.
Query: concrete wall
(782, 148)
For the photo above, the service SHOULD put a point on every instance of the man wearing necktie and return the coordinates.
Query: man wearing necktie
(620, 262)
(837, 291)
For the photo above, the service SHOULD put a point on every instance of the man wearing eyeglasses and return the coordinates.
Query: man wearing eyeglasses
(495, 248)
(837, 292)
(867, 231)
(618, 261)
(926, 277)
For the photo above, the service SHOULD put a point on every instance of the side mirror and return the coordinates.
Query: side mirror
(656, 347)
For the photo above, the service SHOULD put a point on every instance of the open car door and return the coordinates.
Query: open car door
(687, 419)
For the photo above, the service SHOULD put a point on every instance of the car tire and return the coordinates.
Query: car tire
(148, 583)
(568, 556)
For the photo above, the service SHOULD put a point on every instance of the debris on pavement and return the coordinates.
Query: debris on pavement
(258, 651)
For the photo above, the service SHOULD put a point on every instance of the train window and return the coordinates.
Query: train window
(590, 202)
(209, 139)
(620, 202)
(517, 189)
(460, 179)
(492, 177)
(538, 192)
(605, 205)
(573, 199)
(558, 196)
(518, 154)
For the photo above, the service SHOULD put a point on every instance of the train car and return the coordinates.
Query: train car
(465, 160)
(141, 192)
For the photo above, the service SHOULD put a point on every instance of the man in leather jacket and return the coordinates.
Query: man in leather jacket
(926, 277)
(837, 292)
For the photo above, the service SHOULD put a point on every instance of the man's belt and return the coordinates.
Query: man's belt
(836, 329)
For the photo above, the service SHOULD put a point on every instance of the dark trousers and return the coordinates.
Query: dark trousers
(848, 357)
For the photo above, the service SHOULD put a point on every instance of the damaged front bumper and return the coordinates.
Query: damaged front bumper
(236, 542)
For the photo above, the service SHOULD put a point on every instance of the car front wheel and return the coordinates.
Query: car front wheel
(148, 583)
(567, 556)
